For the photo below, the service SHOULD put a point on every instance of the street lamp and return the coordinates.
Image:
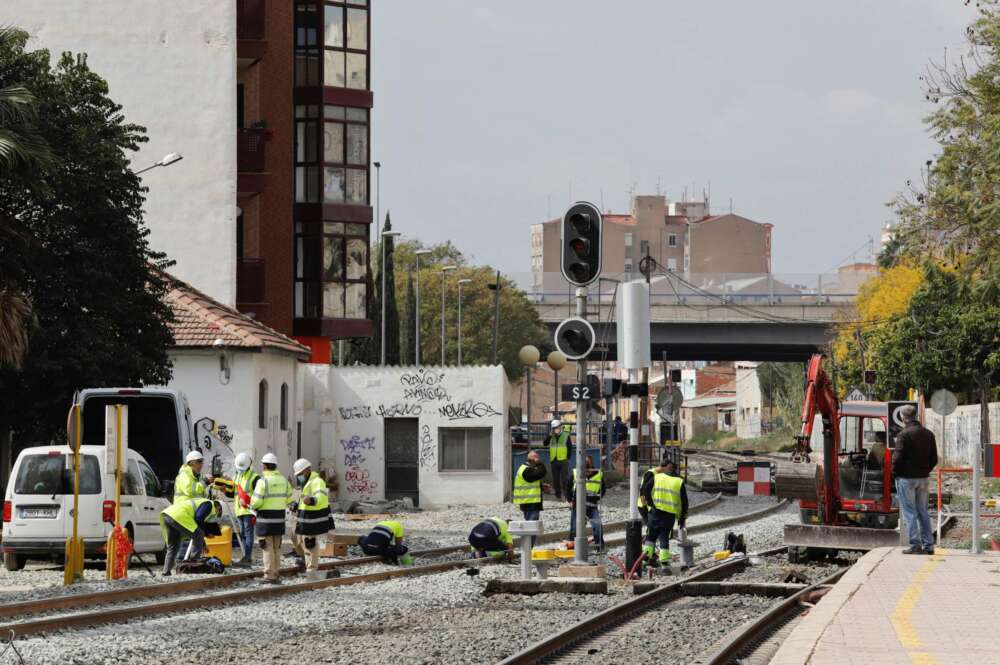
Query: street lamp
(416, 347)
(385, 236)
(528, 355)
(444, 272)
(378, 198)
(167, 160)
(556, 360)
(460, 283)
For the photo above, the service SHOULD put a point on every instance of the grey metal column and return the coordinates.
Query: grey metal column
(580, 544)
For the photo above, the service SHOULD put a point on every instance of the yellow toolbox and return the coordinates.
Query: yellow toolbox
(221, 547)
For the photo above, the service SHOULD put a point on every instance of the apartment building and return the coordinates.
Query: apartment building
(682, 236)
(269, 103)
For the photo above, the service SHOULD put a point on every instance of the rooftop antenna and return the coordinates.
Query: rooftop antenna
(730, 205)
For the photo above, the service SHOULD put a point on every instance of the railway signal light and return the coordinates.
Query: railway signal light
(575, 338)
(581, 244)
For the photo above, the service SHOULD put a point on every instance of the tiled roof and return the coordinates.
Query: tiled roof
(200, 320)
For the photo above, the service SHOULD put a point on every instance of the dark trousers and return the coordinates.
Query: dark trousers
(594, 516)
(658, 528)
(559, 474)
(176, 534)
(247, 534)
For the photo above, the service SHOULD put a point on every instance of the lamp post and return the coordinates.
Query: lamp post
(416, 333)
(460, 283)
(385, 236)
(528, 355)
(556, 360)
(378, 198)
(444, 273)
(166, 160)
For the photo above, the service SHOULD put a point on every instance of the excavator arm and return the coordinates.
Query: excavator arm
(820, 399)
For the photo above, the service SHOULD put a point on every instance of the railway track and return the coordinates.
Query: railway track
(36, 616)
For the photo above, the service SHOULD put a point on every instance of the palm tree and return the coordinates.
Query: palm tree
(22, 149)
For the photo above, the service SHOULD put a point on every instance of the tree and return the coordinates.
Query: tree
(88, 270)
(407, 333)
(22, 150)
(782, 387)
(519, 322)
(391, 309)
(955, 215)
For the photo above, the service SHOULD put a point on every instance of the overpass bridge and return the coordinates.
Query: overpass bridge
(715, 317)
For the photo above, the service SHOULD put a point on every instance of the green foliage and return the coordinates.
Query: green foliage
(781, 385)
(86, 264)
(519, 323)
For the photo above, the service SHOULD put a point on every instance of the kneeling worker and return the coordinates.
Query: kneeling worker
(314, 518)
(491, 538)
(185, 521)
(386, 540)
(667, 497)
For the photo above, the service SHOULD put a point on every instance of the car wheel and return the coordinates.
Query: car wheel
(14, 562)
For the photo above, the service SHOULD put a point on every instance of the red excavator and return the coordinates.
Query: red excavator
(844, 488)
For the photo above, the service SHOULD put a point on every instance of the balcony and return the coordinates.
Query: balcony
(250, 31)
(250, 150)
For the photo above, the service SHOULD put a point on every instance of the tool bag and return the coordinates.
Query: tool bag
(205, 565)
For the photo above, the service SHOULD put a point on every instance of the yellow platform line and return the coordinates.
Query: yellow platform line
(900, 618)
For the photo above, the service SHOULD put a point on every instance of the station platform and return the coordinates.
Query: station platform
(897, 609)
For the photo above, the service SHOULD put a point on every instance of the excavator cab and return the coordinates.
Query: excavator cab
(841, 474)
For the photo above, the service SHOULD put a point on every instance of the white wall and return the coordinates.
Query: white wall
(172, 65)
(963, 432)
(344, 418)
(234, 403)
(748, 401)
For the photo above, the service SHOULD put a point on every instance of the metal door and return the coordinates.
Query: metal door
(401, 459)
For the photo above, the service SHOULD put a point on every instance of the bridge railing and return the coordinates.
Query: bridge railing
(767, 289)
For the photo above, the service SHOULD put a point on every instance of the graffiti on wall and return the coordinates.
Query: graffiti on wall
(424, 386)
(355, 412)
(467, 409)
(357, 479)
(428, 451)
(399, 410)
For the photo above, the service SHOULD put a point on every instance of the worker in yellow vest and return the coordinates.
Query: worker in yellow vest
(246, 478)
(314, 517)
(184, 521)
(189, 483)
(491, 538)
(386, 540)
(271, 496)
(666, 496)
(558, 442)
(595, 492)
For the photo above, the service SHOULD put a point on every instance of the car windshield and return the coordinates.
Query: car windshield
(48, 474)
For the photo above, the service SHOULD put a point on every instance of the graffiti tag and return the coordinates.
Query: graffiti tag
(424, 386)
(352, 412)
(467, 409)
(398, 410)
(428, 451)
(359, 481)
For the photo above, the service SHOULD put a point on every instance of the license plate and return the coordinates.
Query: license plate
(38, 513)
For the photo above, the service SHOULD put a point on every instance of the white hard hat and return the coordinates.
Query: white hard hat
(300, 465)
(194, 456)
(243, 462)
(269, 458)
(556, 423)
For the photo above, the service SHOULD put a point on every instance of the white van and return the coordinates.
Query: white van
(37, 508)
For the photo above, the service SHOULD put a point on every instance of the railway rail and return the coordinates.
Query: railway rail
(34, 616)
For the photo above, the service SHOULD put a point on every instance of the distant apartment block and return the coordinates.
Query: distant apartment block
(682, 236)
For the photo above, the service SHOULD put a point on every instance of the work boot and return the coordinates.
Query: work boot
(928, 550)
(913, 550)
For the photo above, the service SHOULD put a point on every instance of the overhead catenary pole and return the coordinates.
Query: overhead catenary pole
(580, 544)
(496, 319)
(444, 273)
(416, 332)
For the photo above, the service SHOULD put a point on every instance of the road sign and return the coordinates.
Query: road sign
(668, 403)
(580, 392)
(856, 395)
(896, 422)
(944, 402)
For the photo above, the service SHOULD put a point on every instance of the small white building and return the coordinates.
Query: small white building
(438, 435)
(748, 400)
(238, 372)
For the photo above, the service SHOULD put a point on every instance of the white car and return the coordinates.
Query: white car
(38, 505)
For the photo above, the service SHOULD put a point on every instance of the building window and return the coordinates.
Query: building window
(465, 448)
(628, 265)
(283, 414)
(307, 46)
(331, 154)
(331, 270)
(345, 45)
(628, 239)
(262, 404)
(672, 240)
(644, 247)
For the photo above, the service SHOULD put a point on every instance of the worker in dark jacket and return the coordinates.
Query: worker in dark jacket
(913, 459)
(595, 492)
(666, 497)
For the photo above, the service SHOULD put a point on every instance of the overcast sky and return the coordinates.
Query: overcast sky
(491, 114)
